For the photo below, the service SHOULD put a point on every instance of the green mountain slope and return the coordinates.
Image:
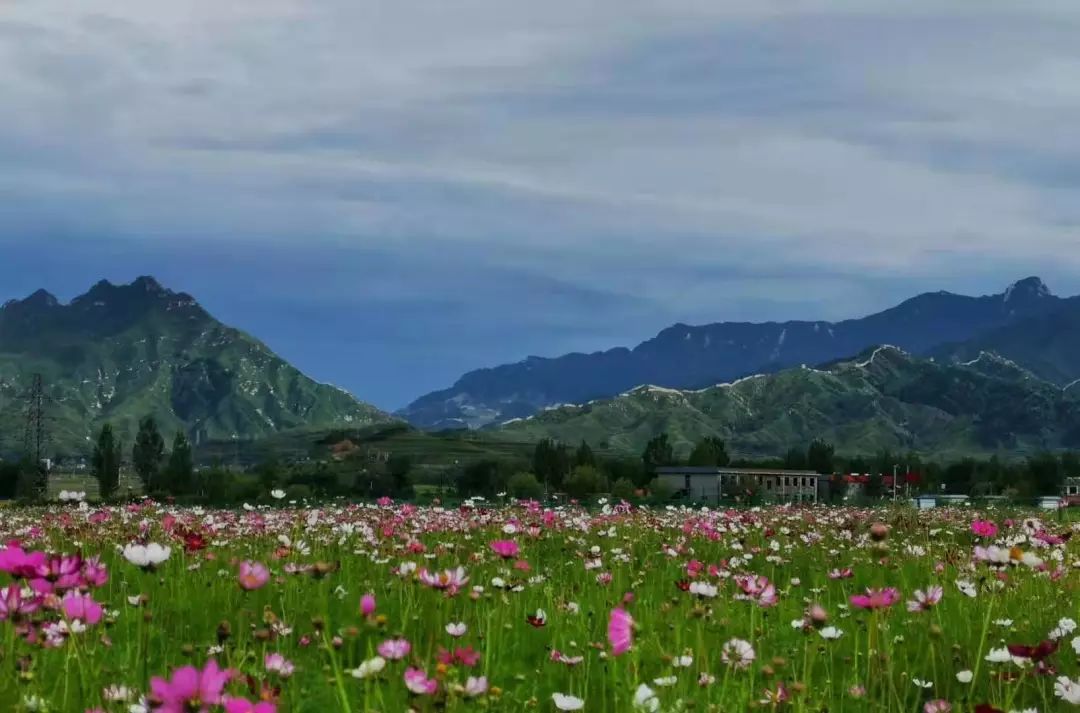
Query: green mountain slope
(118, 353)
(883, 399)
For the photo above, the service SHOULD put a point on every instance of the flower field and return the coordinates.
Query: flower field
(519, 607)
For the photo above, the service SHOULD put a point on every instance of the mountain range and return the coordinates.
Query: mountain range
(120, 352)
(1026, 323)
(883, 399)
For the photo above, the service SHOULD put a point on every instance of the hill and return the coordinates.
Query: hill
(885, 398)
(683, 356)
(120, 352)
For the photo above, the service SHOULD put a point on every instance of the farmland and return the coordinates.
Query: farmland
(515, 606)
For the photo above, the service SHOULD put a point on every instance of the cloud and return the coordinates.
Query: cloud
(589, 172)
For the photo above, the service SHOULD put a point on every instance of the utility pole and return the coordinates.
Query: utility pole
(36, 436)
(895, 468)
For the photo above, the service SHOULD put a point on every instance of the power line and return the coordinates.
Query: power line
(36, 435)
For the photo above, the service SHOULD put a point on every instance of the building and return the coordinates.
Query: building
(715, 484)
(1070, 492)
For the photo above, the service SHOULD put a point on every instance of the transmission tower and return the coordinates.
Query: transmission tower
(36, 436)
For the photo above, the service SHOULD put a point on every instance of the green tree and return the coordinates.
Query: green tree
(1044, 472)
(585, 481)
(795, 459)
(180, 470)
(147, 453)
(106, 462)
(819, 457)
(622, 489)
(710, 451)
(551, 463)
(400, 470)
(524, 485)
(9, 479)
(584, 455)
(658, 453)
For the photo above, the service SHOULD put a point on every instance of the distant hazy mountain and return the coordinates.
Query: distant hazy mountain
(882, 399)
(118, 353)
(1047, 343)
(683, 356)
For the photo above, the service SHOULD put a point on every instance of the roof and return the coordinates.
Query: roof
(713, 470)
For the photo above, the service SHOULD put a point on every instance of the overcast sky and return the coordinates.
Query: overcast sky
(392, 193)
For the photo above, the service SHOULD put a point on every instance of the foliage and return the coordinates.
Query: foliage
(525, 485)
(147, 453)
(709, 451)
(105, 463)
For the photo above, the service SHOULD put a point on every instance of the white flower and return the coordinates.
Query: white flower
(684, 661)
(369, 668)
(456, 629)
(277, 494)
(1067, 690)
(116, 693)
(665, 681)
(1003, 622)
(964, 676)
(1065, 626)
(567, 703)
(830, 632)
(966, 587)
(703, 589)
(146, 556)
(1076, 645)
(1001, 655)
(922, 684)
(737, 653)
(645, 699)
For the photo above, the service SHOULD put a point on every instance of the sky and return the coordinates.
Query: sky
(390, 194)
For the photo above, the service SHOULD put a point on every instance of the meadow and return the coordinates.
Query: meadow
(515, 606)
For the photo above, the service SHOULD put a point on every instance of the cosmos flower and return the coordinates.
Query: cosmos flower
(876, 598)
(419, 684)
(507, 549)
(369, 668)
(620, 631)
(924, 601)
(737, 654)
(147, 556)
(565, 702)
(450, 580)
(394, 649)
(81, 607)
(252, 575)
(189, 689)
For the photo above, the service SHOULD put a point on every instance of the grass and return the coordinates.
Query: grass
(579, 567)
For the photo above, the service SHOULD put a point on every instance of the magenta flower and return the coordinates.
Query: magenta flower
(757, 589)
(243, 705)
(418, 682)
(984, 528)
(620, 631)
(94, 573)
(394, 649)
(81, 607)
(876, 598)
(507, 549)
(252, 575)
(367, 605)
(190, 690)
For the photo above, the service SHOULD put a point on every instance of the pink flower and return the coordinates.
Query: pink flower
(758, 589)
(476, 686)
(418, 682)
(276, 663)
(81, 607)
(13, 605)
(844, 573)
(367, 605)
(937, 705)
(253, 575)
(190, 689)
(243, 705)
(620, 631)
(984, 528)
(507, 549)
(384, 501)
(923, 601)
(394, 649)
(450, 580)
(876, 598)
(94, 573)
